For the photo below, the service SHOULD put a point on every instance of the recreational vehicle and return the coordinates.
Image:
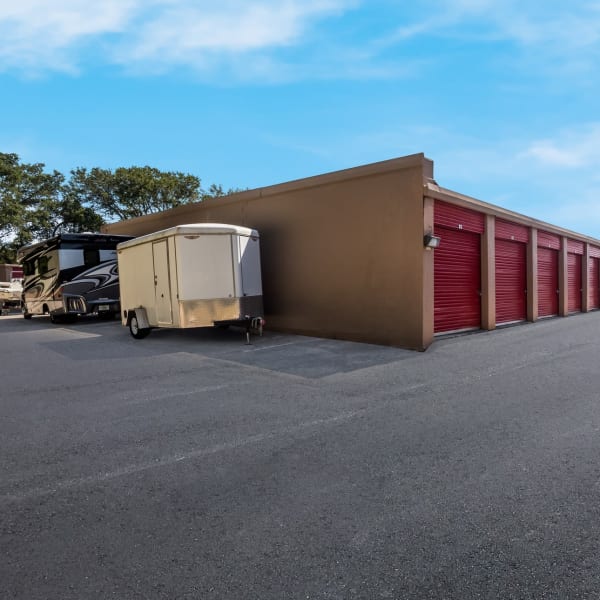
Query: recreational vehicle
(196, 275)
(95, 291)
(49, 264)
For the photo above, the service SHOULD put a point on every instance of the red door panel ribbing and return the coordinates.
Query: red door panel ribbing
(575, 246)
(511, 281)
(547, 276)
(574, 266)
(457, 217)
(457, 280)
(594, 283)
(511, 231)
(548, 240)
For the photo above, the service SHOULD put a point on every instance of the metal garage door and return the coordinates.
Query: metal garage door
(594, 282)
(511, 272)
(457, 268)
(547, 273)
(547, 270)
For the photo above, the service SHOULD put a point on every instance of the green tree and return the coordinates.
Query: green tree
(26, 193)
(131, 192)
(36, 205)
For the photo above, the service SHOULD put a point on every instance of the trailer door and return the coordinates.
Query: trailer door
(249, 265)
(162, 284)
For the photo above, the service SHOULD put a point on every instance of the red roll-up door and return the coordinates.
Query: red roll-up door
(457, 280)
(574, 267)
(511, 281)
(547, 276)
(594, 283)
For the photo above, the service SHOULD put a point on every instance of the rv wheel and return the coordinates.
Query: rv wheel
(136, 331)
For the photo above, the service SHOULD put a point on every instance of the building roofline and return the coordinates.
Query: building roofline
(376, 168)
(381, 167)
(436, 192)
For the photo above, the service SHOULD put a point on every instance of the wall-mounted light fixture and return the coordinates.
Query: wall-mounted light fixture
(431, 241)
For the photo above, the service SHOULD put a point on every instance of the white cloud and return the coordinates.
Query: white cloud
(559, 28)
(37, 35)
(571, 149)
(546, 152)
(232, 36)
(232, 26)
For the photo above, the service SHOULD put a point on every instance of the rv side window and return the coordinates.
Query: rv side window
(91, 257)
(42, 265)
(29, 268)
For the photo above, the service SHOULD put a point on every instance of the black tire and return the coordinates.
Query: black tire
(27, 315)
(136, 331)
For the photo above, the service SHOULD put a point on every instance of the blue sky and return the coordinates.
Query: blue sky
(503, 95)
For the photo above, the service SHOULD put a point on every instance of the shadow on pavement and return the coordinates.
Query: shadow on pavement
(91, 339)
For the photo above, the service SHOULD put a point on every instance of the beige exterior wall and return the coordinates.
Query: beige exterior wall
(488, 275)
(532, 276)
(342, 254)
(563, 279)
(585, 279)
(428, 287)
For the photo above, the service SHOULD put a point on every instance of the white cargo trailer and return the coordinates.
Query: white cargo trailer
(196, 275)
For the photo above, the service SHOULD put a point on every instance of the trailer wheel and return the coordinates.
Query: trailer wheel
(27, 315)
(136, 331)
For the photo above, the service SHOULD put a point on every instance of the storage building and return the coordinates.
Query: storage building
(348, 255)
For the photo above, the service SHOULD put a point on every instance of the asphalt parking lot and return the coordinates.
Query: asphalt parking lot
(189, 465)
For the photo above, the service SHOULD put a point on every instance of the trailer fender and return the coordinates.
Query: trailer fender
(137, 321)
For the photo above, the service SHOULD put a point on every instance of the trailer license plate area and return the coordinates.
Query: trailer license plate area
(102, 307)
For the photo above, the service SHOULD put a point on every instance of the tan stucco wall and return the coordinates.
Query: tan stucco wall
(342, 254)
(532, 275)
(488, 274)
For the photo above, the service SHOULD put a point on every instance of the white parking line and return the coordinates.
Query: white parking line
(270, 347)
(169, 460)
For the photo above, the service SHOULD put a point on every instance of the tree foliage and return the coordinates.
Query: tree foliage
(35, 205)
(133, 191)
(26, 195)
